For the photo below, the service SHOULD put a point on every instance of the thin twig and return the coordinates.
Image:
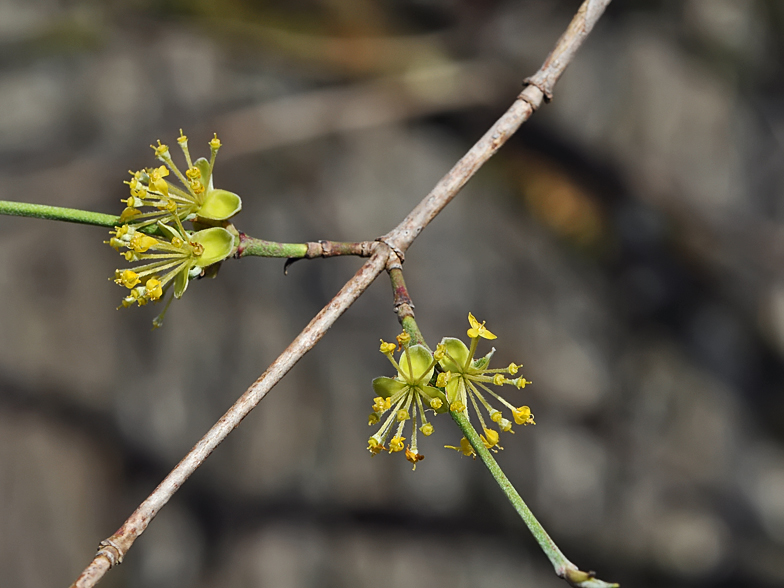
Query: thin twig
(71, 215)
(251, 246)
(398, 240)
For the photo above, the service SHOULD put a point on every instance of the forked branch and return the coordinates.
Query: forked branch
(390, 246)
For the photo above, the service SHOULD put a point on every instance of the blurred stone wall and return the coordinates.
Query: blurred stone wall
(626, 246)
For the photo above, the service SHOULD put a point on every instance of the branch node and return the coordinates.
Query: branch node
(399, 252)
(109, 550)
(544, 88)
(533, 95)
(314, 249)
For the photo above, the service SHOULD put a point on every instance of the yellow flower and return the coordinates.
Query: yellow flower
(405, 397)
(466, 381)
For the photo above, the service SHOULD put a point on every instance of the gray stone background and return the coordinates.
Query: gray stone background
(626, 246)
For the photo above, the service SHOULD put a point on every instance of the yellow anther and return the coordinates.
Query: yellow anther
(457, 406)
(197, 186)
(496, 416)
(387, 348)
(374, 446)
(443, 379)
(440, 352)
(381, 404)
(427, 429)
(193, 173)
(521, 382)
(499, 379)
(402, 340)
(161, 150)
(396, 444)
(513, 367)
(436, 403)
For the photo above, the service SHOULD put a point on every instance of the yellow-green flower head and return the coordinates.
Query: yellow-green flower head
(466, 380)
(153, 197)
(405, 397)
(168, 262)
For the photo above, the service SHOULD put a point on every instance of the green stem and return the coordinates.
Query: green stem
(71, 215)
(250, 246)
(563, 567)
(404, 307)
(554, 554)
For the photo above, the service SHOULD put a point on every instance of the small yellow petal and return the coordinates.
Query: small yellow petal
(153, 289)
(523, 416)
(127, 278)
(465, 447)
(396, 444)
(477, 329)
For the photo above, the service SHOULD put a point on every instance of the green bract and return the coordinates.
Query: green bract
(219, 205)
(218, 244)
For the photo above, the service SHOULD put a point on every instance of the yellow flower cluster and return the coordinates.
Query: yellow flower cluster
(151, 231)
(451, 378)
